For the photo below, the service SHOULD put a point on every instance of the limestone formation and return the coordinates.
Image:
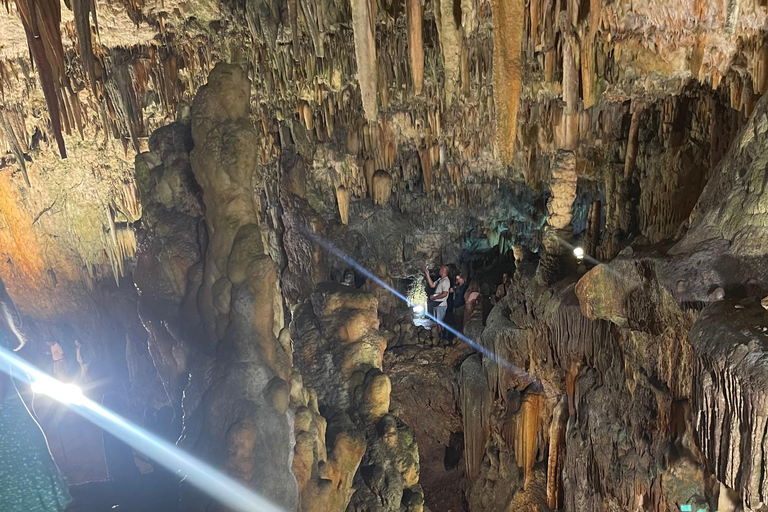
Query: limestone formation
(243, 424)
(231, 207)
(339, 353)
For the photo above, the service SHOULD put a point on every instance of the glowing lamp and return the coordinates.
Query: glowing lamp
(60, 391)
(578, 252)
(418, 309)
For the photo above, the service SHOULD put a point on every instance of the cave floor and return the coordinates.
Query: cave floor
(149, 494)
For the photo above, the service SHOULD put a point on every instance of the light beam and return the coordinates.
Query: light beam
(519, 372)
(203, 476)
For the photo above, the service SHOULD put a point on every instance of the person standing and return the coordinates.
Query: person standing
(29, 478)
(442, 288)
(459, 302)
(501, 290)
(474, 301)
(83, 359)
(59, 362)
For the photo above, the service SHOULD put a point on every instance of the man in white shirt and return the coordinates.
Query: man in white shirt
(442, 288)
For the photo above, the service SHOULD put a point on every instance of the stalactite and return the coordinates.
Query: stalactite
(631, 155)
(735, 93)
(416, 43)
(570, 386)
(365, 55)
(732, 15)
(475, 408)
(382, 187)
(426, 168)
(309, 10)
(369, 169)
(450, 46)
(119, 246)
(468, 18)
(595, 10)
(342, 198)
(570, 94)
(508, 16)
(592, 231)
(760, 72)
(126, 201)
(556, 458)
(383, 85)
(82, 10)
(41, 20)
(588, 72)
(535, 10)
(527, 432)
(306, 115)
(13, 142)
(76, 112)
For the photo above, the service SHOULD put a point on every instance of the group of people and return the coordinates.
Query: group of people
(63, 369)
(455, 304)
(29, 478)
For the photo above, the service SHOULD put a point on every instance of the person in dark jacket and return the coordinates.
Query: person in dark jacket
(459, 301)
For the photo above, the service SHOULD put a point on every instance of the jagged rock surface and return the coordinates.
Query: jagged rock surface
(339, 352)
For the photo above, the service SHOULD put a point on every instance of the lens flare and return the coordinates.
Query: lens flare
(203, 476)
(63, 392)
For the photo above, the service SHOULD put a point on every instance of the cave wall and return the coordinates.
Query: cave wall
(404, 133)
(434, 118)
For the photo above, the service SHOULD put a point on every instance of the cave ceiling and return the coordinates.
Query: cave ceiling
(467, 106)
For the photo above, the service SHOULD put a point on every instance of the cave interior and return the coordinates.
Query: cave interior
(216, 217)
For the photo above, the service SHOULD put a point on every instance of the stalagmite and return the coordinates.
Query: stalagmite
(342, 198)
(365, 55)
(519, 252)
(508, 16)
(382, 187)
(563, 188)
(416, 43)
(556, 458)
